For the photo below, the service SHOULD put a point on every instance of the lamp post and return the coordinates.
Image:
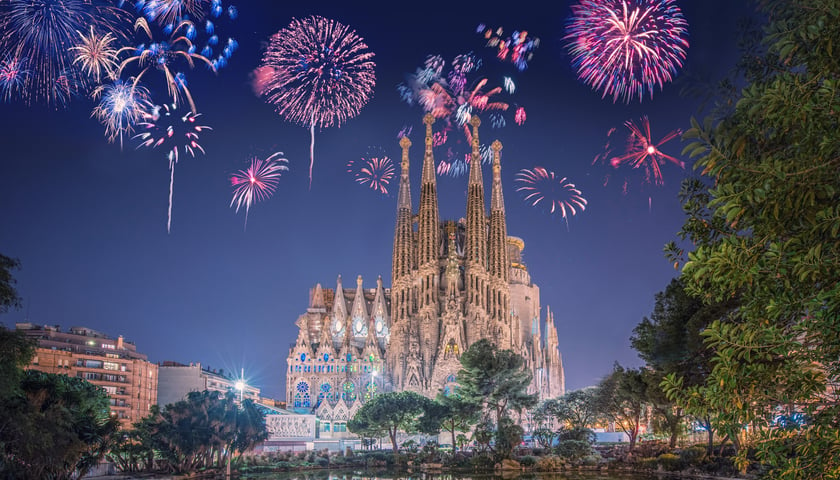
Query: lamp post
(240, 384)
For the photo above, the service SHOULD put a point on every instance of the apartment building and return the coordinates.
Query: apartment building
(114, 364)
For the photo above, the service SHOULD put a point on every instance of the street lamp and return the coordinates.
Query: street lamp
(240, 384)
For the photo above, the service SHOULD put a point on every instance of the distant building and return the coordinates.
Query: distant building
(113, 364)
(176, 380)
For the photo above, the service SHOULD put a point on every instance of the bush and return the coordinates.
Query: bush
(528, 461)
(573, 450)
(591, 460)
(579, 434)
(693, 455)
(482, 461)
(549, 463)
(669, 462)
(647, 463)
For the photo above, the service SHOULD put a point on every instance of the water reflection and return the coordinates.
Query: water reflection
(383, 475)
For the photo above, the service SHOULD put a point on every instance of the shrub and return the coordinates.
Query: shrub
(482, 461)
(647, 463)
(579, 434)
(573, 450)
(549, 463)
(669, 462)
(528, 461)
(693, 455)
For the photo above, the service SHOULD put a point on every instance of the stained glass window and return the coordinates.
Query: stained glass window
(302, 387)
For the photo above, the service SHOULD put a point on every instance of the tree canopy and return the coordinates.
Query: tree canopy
(390, 412)
(768, 232)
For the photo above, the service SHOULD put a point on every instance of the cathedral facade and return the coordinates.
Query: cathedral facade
(453, 283)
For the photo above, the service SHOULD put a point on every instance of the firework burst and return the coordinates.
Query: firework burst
(453, 97)
(642, 152)
(164, 127)
(42, 33)
(258, 182)
(121, 106)
(96, 56)
(376, 170)
(516, 48)
(13, 75)
(316, 72)
(557, 195)
(163, 56)
(626, 47)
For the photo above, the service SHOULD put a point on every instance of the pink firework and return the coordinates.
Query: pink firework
(316, 72)
(258, 182)
(642, 151)
(516, 48)
(626, 47)
(542, 188)
(175, 133)
(454, 96)
(376, 171)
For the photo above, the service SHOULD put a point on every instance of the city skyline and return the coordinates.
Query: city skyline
(87, 218)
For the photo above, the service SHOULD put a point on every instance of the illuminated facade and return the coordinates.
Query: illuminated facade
(454, 283)
(113, 364)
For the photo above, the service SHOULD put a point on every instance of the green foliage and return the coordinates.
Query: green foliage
(496, 379)
(621, 398)
(767, 233)
(549, 463)
(390, 413)
(573, 450)
(528, 461)
(669, 462)
(203, 431)
(55, 425)
(692, 455)
(8, 294)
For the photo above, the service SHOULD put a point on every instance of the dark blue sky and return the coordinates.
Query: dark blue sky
(87, 220)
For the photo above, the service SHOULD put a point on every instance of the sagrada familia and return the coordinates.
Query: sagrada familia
(453, 283)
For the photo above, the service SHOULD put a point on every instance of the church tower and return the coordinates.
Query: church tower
(475, 268)
(428, 258)
(453, 282)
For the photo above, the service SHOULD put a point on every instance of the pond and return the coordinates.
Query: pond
(379, 475)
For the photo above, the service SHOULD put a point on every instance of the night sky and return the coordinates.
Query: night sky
(87, 219)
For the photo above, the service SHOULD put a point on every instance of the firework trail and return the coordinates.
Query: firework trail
(557, 195)
(376, 170)
(453, 97)
(626, 47)
(163, 55)
(642, 152)
(316, 72)
(516, 48)
(41, 34)
(258, 182)
(121, 106)
(163, 127)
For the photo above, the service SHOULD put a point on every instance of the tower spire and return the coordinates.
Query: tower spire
(476, 237)
(497, 252)
(403, 259)
(428, 225)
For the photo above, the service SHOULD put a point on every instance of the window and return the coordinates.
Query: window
(111, 366)
(93, 363)
(325, 427)
(109, 346)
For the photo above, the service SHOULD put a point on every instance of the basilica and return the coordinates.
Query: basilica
(454, 282)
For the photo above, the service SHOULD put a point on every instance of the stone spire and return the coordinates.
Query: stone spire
(556, 378)
(428, 225)
(497, 251)
(359, 313)
(476, 235)
(403, 253)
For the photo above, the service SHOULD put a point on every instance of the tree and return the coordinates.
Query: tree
(391, 412)
(8, 294)
(670, 342)
(496, 379)
(61, 425)
(774, 207)
(621, 399)
(451, 413)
